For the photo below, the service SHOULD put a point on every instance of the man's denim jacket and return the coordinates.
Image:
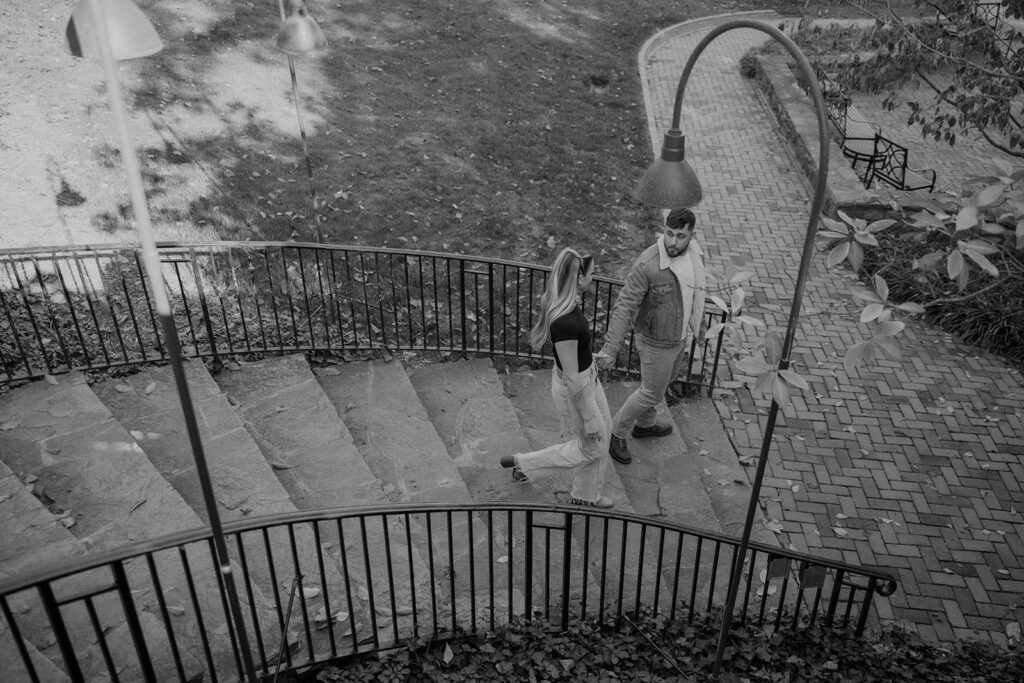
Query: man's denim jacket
(651, 301)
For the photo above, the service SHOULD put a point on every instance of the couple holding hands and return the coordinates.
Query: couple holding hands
(662, 299)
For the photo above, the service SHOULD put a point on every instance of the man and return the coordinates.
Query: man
(663, 300)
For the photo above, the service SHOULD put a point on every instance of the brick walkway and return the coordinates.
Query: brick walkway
(913, 465)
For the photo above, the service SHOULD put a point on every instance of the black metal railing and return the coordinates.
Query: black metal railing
(321, 586)
(90, 307)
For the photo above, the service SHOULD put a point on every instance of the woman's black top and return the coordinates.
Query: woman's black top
(573, 325)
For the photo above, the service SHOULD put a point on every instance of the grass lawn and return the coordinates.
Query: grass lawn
(502, 128)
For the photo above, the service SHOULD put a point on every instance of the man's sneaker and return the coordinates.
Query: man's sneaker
(619, 451)
(654, 430)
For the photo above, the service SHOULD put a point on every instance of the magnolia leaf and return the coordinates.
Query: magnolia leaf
(1002, 166)
(720, 302)
(985, 264)
(448, 655)
(833, 224)
(794, 379)
(911, 307)
(889, 348)
(988, 196)
(832, 235)
(773, 525)
(748, 320)
(738, 295)
(845, 218)
(861, 352)
(149, 388)
(929, 261)
(1020, 234)
(773, 347)
(881, 287)
(866, 238)
(50, 379)
(924, 219)
(856, 257)
(966, 218)
(992, 229)
(870, 312)
(840, 531)
(838, 254)
(864, 294)
(714, 331)
(884, 316)
(980, 246)
(752, 365)
(883, 224)
(954, 264)
(964, 277)
(781, 392)
(765, 382)
(890, 328)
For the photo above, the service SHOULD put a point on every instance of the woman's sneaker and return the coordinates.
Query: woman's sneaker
(601, 502)
(654, 430)
(509, 461)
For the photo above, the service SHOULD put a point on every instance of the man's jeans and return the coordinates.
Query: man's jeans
(658, 367)
(588, 456)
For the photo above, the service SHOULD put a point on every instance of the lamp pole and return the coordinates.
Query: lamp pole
(669, 183)
(303, 36)
(98, 47)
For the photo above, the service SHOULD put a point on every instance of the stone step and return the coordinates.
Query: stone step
(665, 480)
(530, 393)
(299, 431)
(244, 486)
(15, 670)
(392, 430)
(90, 471)
(295, 424)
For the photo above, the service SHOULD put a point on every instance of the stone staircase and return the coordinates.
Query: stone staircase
(87, 468)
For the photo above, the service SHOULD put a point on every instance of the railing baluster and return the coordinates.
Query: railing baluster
(862, 619)
(451, 569)
(528, 567)
(243, 558)
(342, 548)
(834, 598)
(71, 306)
(433, 574)
(472, 571)
(566, 567)
(203, 636)
(132, 619)
(391, 575)
(299, 575)
(409, 550)
(490, 564)
(97, 628)
(371, 598)
(19, 641)
(165, 615)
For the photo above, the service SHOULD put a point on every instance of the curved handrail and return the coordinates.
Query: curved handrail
(172, 540)
(363, 584)
(89, 307)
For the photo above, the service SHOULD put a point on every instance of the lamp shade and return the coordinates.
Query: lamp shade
(128, 30)
(299, 34)
(669, 182)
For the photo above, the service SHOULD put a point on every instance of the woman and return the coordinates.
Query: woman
(575, 388)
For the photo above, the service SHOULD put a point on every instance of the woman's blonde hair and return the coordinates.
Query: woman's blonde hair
(559, 295)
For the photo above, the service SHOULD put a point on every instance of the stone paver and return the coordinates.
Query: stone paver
(916, 462)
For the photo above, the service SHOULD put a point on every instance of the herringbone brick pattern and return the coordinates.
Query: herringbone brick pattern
(912, 465)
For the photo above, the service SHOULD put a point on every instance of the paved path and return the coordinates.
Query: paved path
(914, 465)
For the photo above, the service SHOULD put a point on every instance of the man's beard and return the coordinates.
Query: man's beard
(675, 252)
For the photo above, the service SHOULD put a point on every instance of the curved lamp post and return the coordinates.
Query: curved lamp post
(108, 31)
(299, 35)
(670, 183)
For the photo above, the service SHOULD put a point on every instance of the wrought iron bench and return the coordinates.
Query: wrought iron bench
(856, 134)
(888, 164)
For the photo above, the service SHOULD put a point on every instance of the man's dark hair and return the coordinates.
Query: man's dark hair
(678, 219)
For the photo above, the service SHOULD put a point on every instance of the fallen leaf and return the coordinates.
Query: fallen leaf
(122, 388)
(773, 525)
(278, 465)
(795, 488)
(281, 409)
(503, 559)
(947, 570)
(30, 478)
(840, 515)
(149, 388)
(175, 610)
(68, 522)
(840, 531)
(50, 379)
(448, 654)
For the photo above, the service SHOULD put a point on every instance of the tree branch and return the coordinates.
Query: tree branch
(966, 297)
